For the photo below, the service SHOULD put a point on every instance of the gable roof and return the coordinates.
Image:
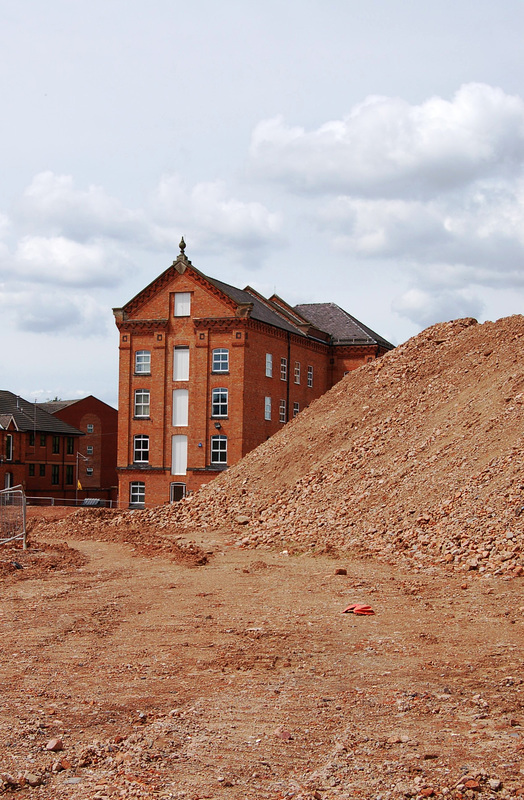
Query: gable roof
(342, 327)
(31, 417)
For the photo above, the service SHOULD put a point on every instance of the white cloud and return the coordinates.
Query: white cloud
(385, 147)
(212, 219)
(52, 311)
(426, 308)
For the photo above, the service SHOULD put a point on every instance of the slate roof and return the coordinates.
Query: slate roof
(342, 327)
(32, 417)
(261, 311)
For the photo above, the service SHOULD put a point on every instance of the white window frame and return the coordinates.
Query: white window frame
(141, 405)
(297, 372)
(180, 408)
(282, 411)
(219, 402)
(283, 369)
(89, 471)
(267, 408)
(137, 494)
(269, 365)
(141, 449)
(143, 362)
(181, 363)
(310, 377)
(90, 428)
(220, 361)
(296, 409)
(182, 304)
(179, 454)
(218, 454)
(89, 450)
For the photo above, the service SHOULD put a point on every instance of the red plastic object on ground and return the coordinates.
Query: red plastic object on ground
(360, 609)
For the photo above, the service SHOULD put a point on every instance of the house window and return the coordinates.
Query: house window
(141, 402)
(55, 475)
(42, 440)
(141, 449)
(56, 444)
(177, 491)
(89, 470)
(31, 439)
(220, 360)
(181, 364)
(180, 407)
(296, 409)
(69, 479)
(89, 449)
(9, 447)
(41, 471)
(283, 369)
(269, 365)
(219, 449)
(90, 428)
(267, 408)
(282, 411)
(310, 377)
(182, 304)
(219, 402)
(137, 494)
(297, 371)
(179, 454)
(31, 470)
(142, 362)
(70, 445)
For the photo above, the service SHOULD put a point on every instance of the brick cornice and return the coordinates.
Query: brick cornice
(142, 325)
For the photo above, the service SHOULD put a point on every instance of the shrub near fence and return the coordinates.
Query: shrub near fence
(12, 515)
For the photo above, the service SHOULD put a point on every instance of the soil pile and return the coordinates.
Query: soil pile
(415, 457)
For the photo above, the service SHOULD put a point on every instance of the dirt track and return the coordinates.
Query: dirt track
(241, 678)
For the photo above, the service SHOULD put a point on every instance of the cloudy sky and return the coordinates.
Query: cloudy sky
(366, 152)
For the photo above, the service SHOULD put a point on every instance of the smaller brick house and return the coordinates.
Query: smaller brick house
(38, 450)
(209, 371)
(98, 421)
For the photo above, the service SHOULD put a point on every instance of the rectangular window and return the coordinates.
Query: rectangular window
(142, 362)
(55, 474)
(181, 364)
(283, 369)
(31, 470)
(70, 445)
(9, 447)
(141, 402)
(296, 409)
(90, 428)
(42, 440)
(178, 455)
(269, 365)
(89, 449)
(297, 371)
(69, 479)
(180, 407)
(219, 449)
(41, 471)
(310, 377)
(56, 444)
(141, 449)
(182, 304)
(31, 439)
(267, 408)
(219, 402)
(89, 471)
(282, 411)
(137, 494)
(220, 360)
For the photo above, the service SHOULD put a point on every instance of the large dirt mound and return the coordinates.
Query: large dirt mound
(416, 456)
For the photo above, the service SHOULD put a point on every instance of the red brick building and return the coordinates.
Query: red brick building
(38, 451)
(209, 371)
(97, 455)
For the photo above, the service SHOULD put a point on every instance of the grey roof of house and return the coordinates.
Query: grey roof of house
(260, 312)
(342, 327)
(52, 406)
(32, 417)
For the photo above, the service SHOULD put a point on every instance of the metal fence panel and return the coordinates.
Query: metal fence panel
(12, 515)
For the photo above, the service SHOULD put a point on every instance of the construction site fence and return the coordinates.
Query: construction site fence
(13, 515)
(91, 502)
